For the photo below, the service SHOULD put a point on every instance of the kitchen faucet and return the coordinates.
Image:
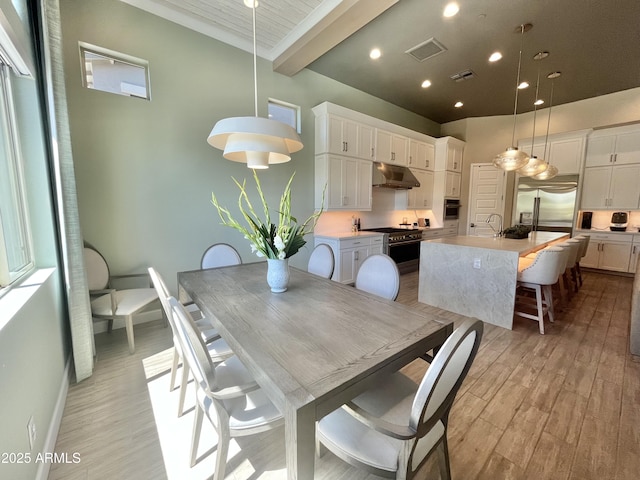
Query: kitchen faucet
(489, 218)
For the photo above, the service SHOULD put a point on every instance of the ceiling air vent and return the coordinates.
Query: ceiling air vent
(427, 49)
(461, 76)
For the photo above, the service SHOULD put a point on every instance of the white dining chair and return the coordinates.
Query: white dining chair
(220, 255)
(321, 261)
(226, 394)
(379, 275)
(111, 304)
(218, 349)
(392, 429)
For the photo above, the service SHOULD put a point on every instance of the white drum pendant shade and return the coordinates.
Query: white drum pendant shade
(511, 159)
(255, 141)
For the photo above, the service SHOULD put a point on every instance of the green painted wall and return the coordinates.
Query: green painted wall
(144, 170)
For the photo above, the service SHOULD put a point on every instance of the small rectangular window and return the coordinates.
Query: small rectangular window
(285, 112)
(114, 72)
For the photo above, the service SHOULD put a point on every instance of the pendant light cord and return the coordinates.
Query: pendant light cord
(548, 122)
(515, 107)
(255, 62)
(535, 109)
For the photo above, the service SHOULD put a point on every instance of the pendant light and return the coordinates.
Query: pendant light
(256, 141)
(512, 158)
(551, 170)
(535, 165)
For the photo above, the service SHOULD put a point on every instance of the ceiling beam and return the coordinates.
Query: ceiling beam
(345, 19)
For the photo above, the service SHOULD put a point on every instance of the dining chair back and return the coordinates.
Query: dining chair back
(379, 275)
(220, 255)
(321, 261)
(392, 429)
(226, 394)
(111, 304)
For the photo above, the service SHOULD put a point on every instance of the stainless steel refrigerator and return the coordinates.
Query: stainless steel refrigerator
(547, 205)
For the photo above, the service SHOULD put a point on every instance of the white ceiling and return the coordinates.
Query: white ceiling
(594, 43)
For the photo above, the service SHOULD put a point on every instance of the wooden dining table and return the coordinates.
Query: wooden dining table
(313, 347)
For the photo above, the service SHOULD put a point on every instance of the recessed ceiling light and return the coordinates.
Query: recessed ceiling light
(538, 102)
(375, 53)
(426, 84)
(495, 56)
(458, 104)
(523, 85)
(451, 9)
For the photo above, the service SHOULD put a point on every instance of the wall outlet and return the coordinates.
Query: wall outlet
(477, 263)
(32, 432)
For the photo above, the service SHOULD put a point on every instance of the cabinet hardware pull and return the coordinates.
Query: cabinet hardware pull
(372, 154)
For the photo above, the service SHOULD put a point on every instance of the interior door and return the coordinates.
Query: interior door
(486, 196)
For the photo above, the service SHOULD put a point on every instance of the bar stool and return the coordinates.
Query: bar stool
(583, 251)
(538, 277)
(573, 246)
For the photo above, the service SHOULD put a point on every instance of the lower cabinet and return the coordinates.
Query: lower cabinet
(608, 252)
(350, 252)
(635, 254)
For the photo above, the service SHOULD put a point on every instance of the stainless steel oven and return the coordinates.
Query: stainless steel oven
(403, 246)
(451, 208)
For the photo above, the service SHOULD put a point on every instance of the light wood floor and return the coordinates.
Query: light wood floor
(564, 405)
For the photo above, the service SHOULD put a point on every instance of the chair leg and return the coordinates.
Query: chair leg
(548, 299)
(129, 326)
(574, 277)
(540, 308)
(195, 435)
(183, 389)
(221, 455)
(174, 369)
(443, 459)
(110, 325)
(579, 273)
(567, 285)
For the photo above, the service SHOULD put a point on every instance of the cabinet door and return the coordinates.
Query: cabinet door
(615, 256)
(595, 187)
(350, 137)
(454, 158)
(425, 200)
(365, 142)
(420, 156)
(335, 195)
(383, 146)
(335, 141)
(399, 149)
(364, 181)
(566, 155)
(413, 160)
(624, 192)
(350, 182)
(635, 255)
(590, 259)
(600, 151)
(429, 157)
(350, 260)
(452, 185)
(627, 148)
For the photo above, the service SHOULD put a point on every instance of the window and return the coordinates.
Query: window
(285, 112)
(114, 72)
(15, 239)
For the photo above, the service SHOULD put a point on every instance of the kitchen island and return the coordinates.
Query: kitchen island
(476, 276)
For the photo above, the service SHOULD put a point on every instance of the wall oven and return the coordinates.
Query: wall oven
(451, 208)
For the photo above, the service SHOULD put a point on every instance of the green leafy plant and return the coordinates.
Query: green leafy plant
(266, 238)
(517, 231)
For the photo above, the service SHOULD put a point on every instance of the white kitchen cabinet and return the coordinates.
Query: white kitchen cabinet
(449, 154)
(342, 136)
(421, 198)
(452, 184)
(608, 252)
(366, 141)
(611, 187)
(635, 254)
(349, 253)
(391, 148)
(421, 155)
(348, 182)
(565, 151)
(614, 146)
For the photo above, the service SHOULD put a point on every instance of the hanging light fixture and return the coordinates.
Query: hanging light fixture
(512, 158)
(535, 165)
(551, 170)
(256, 141)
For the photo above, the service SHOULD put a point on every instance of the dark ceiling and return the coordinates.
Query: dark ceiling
(594, 43)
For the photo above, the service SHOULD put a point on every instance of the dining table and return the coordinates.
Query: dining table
(313, 347)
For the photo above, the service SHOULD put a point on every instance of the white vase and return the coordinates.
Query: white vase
(278, 274)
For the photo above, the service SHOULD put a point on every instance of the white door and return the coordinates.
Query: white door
(486, 196)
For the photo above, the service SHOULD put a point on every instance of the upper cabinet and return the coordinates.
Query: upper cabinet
(347, 181)
(565, 151)
(449, 153)
(614, 146)
(342, 136)
(421, 155)
(391, 148)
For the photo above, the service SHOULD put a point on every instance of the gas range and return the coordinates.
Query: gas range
(396, 235)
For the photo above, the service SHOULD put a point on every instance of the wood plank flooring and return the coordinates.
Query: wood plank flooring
(559, 406)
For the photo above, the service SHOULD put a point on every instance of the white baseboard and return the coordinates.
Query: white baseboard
(56, 419)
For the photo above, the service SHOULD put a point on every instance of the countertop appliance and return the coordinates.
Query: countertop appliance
(547, 205)
(619, 222)
(402, 245)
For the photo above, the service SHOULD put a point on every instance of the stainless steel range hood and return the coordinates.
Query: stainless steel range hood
(393, 176)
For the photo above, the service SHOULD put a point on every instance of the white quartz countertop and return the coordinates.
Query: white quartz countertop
(629, 231)
(535, 241)
(342, 235)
